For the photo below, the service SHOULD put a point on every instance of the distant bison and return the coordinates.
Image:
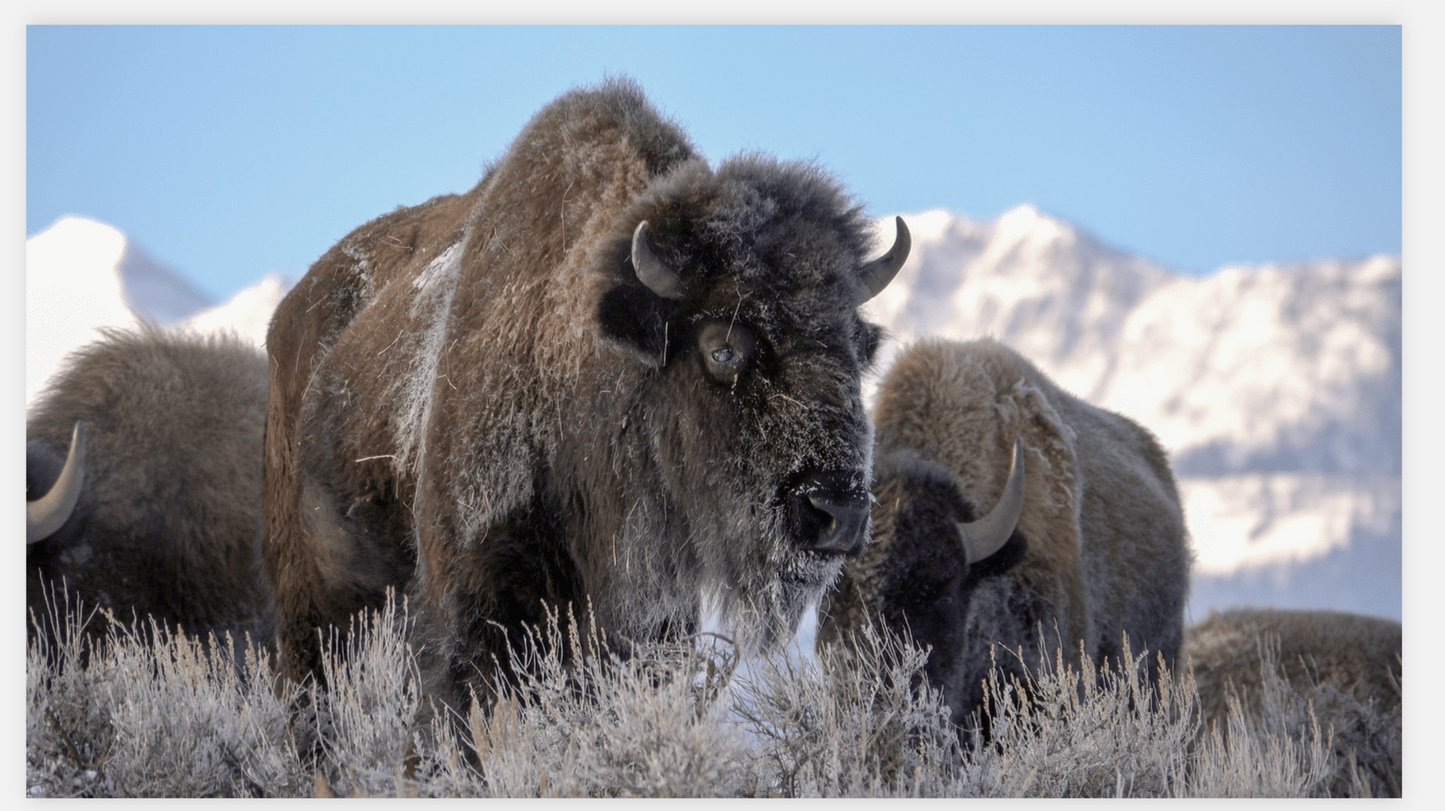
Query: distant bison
(166, 518)
(607, 377)
(1087, 540)
(1347, 666)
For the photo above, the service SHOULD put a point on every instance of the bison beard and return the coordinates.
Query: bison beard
(607, 377)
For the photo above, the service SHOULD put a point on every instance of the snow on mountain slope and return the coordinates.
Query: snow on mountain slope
(1267, 368)
(1036, 283)
(82, 275)
(72, 287)
(1274, 368)
(247, 313)
(1275, 389)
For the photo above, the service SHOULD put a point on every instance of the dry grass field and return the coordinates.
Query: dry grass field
(133, 712)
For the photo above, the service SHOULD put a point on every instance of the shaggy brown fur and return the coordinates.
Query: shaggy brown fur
(168, 523)
(1348, 667)
(1099, 549)
(477, 398)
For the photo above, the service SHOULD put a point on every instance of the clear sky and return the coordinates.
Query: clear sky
(231, 152)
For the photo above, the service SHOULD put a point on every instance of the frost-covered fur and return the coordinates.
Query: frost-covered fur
(478, 400)
(168, 521)
(1348, 666)
(1099, 550)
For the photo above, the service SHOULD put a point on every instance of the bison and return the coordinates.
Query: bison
(609, 377)
(1084, 539)
(1346, 666)
(154, 507)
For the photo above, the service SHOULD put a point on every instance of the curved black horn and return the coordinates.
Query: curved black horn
(988, 534)
(877, 274)
(49, 513)
(658, 277)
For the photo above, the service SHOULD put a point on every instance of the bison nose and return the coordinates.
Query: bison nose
(832, 513)
(847, 519)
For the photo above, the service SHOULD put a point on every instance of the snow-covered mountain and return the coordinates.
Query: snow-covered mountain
(1276, 389)
(82, 276)
(247, 312)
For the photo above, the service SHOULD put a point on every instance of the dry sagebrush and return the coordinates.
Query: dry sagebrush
(131, 714)
(128, 715)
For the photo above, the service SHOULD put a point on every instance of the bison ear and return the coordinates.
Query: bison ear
(634, 316)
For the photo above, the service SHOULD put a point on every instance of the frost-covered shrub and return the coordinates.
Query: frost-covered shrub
(1270, 698)
(143, 712)
(850, 722)
(154, 714)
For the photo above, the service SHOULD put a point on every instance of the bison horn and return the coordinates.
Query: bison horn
(878, 273)
(658, 277)
(48, 513)
(987, 535)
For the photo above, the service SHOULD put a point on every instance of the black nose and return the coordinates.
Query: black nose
(831, 512)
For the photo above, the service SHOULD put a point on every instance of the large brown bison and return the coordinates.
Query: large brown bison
(1083, 539)
(166, 517)
(1346, 666)
(609, 377)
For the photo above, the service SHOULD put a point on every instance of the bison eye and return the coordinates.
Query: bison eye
(727, 348)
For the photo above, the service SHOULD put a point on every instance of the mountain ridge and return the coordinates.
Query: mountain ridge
(1310, 346)
(1275, 389)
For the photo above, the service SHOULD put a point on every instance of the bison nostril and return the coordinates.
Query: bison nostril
(829, 516)
(822, 506)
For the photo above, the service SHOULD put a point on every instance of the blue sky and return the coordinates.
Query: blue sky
(231, 152)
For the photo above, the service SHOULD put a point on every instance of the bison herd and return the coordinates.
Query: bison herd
(614, 377)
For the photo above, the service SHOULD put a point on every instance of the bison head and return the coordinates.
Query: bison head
(736, 293)
(936, 572)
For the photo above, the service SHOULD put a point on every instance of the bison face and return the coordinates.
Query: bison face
(743, 305)
(764, 449)
(941, 573)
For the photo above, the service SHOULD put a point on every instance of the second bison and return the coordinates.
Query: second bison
(162, 517)
(609, 376)
(1086, 545)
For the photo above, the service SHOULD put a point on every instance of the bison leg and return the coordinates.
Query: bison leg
(340, 562)
(483, 601)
